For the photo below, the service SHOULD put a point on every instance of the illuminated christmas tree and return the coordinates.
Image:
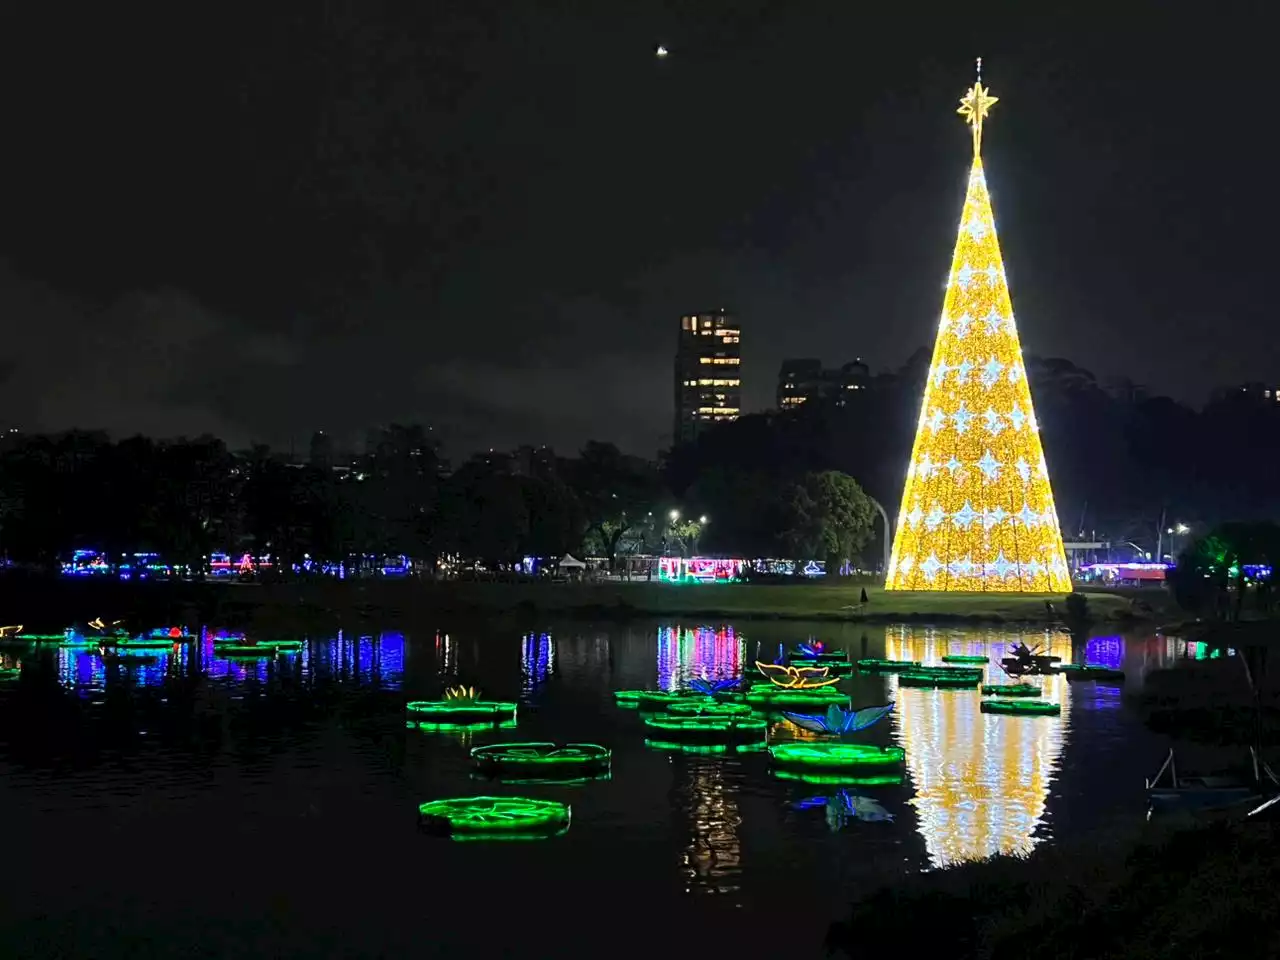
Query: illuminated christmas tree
(977, 510)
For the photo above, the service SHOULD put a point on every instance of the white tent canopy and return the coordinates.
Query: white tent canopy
(571, 562)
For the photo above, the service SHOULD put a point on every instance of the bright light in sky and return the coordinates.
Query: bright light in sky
(661, 51)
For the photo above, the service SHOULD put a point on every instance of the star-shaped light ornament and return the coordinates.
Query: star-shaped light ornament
(974, 107)
(994, 322)
(960, 327)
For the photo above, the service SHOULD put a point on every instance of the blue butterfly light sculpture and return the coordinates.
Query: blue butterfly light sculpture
(844, 806)
(712, 687)
(839, 721)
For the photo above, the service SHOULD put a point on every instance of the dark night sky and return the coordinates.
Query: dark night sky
(258, 221)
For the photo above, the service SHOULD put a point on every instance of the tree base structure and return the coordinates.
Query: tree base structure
(709, 730)
(461, 711)
(1022, 708)
(800, 701)
(655, 701)
(494, 818)
(1080, 674)
(542, 761)
(837, 762)
(1011, 690)
(887, 666)
(964, 658)
(938, 681)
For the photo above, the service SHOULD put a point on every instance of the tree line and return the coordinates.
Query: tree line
(187, 498)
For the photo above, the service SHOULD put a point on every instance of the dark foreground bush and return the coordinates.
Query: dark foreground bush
(1199, 893)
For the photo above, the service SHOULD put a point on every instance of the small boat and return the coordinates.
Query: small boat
(1199, 792)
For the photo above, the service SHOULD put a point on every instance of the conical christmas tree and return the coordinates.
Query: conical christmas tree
(977, 510)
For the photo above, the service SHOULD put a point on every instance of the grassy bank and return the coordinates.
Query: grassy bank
(1195, 893)
(60, 602)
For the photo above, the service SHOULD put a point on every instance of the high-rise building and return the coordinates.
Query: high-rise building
(708, 373)
(802, 381)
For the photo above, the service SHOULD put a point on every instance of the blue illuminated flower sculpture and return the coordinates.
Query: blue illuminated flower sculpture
(712, 687)
(845, 806)
(811, 649)
(839, 721)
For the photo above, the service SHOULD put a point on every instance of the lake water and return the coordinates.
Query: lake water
(202, 807)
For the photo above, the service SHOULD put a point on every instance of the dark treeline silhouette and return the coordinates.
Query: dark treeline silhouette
(767, 484)
(1119, 460)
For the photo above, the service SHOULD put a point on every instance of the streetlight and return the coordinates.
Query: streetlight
(674, 515)
(703, 519)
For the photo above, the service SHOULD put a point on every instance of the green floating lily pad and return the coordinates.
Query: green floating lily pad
(965, 658)
(543, 760)
(654, 700)
(707, 729)
(673, 746)
(1024, 708)
(782, 698)
(938, 681)
(887, 666)
(461, 711)
(494, 818)
(1011, 690)
(713, 709)
(827, 757)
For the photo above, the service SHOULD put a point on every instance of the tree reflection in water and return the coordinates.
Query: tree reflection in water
(980, 780)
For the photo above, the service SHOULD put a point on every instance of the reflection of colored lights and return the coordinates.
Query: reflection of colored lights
(1105, 652)
(981, 781)
(446, 654)
(699, 653)
(537, 661)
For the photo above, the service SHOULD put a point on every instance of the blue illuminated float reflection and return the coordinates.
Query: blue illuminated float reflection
(537, 661)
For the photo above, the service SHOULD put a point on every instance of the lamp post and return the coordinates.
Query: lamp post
(887, 535)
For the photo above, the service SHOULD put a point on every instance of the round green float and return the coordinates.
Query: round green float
(713, 709)
(37, 637)
(964, 658)
(1022, 708)
(287, 646)
(461, 711)
(542, 760)
(656, 700)
(938, 681)
(783, 698)
(1011, 690)
(887, 666)
(853, 778)
(494, 818)
(672, 746)
(826, 758)
(138, 643)
(707, 729)
(941, 671)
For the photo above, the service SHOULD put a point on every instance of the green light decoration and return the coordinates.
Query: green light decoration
(938, 681)
(887, 666)
(713, 709)
(830, 779)
(461, 711)
(653, 700)
(779, 698)
(245, 651)
(964, 658)
(827, 757)
(938, 671)
(707, 729)
(1021, 708)
(460, 728)
(544, 760)
(1076, 673)
(137, 643)
(494, 818)
(7, 673)
(35, 638)
(672, 746)
(1011, 690)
